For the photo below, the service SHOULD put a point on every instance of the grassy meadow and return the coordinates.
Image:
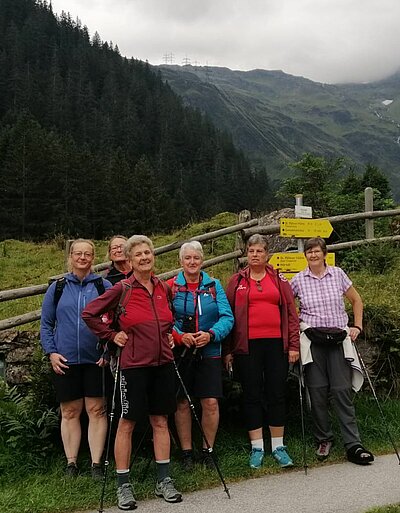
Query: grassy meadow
(46, 490)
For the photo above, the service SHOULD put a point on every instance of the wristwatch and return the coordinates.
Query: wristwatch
(212, 336)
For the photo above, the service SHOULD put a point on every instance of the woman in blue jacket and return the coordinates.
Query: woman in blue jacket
(75, 355)
(203, 318)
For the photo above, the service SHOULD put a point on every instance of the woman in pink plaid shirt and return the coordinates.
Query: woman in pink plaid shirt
(324, 325)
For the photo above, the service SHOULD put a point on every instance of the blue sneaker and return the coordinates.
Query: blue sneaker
(282, 457)
(256, 458)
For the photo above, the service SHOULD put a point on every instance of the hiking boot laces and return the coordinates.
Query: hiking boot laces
(167, 490)
(126, 499)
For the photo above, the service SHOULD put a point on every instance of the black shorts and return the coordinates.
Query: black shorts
(83, 380)
(148, 391)
(202, 377)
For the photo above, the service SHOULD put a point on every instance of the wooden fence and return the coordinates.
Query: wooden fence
(244, 229)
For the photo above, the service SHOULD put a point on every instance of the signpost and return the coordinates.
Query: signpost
(294, 262)
(291, 263)
(305, 228)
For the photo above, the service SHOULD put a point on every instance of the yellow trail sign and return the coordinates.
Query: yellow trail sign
(305, 228)
(294, 262)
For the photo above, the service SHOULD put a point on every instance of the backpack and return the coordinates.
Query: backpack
(209, 289)
(125, 296)
(60, 284)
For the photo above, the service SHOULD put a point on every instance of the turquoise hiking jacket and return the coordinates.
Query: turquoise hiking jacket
(209, 307)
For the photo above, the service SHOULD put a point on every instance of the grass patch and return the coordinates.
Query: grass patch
(26, 263)
(46, 490)
(393, 508)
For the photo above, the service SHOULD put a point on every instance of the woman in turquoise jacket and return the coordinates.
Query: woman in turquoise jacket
(203, 318)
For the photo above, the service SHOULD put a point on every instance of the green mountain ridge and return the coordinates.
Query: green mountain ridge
(276, 117)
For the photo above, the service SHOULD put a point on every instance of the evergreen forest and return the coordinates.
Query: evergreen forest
(93, 143)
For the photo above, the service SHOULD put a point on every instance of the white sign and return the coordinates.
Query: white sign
(304, 212)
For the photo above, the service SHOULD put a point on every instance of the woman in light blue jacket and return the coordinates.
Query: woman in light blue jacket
(76, 356)
(203, 318)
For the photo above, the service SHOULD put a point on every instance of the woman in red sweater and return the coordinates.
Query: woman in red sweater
(264, 340)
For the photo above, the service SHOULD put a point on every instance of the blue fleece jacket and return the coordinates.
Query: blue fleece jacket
(208, 304)
(61, 328)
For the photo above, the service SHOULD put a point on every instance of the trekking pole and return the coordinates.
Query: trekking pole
(303, 431)
(296, 370)
(209, 448)
(112, 413)
(366, 373)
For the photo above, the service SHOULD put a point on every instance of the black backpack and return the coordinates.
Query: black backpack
(60, 284)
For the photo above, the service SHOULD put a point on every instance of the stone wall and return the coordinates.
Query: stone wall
(16, 350)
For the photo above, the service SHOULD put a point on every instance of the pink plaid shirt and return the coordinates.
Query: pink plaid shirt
(321, 299)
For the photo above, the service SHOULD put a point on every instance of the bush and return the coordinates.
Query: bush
(26, 431)
(382, 351)
(375, 258)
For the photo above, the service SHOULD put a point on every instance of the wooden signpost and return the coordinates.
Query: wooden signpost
(305, 228)
(291, 263)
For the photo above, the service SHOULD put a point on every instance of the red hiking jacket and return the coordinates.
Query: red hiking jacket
(147, 321)
(238, 296)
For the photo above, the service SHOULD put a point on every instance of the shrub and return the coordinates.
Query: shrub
(26, 430)
(375, 258)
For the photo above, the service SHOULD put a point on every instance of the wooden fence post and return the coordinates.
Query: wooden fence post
(369, 207)
(299, 203)
(66, 253)
(240, 243)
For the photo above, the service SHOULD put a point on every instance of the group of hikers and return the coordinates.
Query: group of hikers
(152, 328)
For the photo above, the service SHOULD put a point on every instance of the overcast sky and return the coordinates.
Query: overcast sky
(324, 40)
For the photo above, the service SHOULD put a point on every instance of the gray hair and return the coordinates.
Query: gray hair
(257, 239)
(194, 246)
(135, 240)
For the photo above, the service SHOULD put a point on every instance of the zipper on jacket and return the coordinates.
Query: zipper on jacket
(77, 323)
(158, 325)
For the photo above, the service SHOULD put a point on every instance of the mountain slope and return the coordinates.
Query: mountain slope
(277, 117)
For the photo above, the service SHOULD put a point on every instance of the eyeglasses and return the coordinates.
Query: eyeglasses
(80, 254)
(313, 252)
(117, 248)
(259, 286)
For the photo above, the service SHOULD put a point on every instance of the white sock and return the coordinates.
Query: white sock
(276, 442)
(257, 444)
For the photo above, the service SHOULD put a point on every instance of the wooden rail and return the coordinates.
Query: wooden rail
(246, 229)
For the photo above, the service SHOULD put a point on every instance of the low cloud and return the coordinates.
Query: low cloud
(322, 40)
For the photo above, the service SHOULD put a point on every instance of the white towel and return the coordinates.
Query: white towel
(350, 354)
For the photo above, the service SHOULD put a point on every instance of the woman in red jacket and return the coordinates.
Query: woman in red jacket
(147, 379)
(264, 340)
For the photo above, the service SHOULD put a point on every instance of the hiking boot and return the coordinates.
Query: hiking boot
(187, 460)
(282, 457)
(71, 470)
(167, 491)
(96, 472)
(323, 449)
(256, 457)
(126, 500)
(207, 459)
